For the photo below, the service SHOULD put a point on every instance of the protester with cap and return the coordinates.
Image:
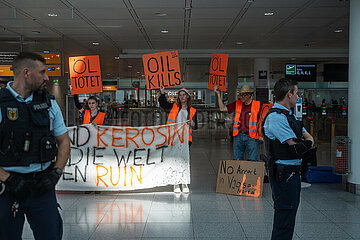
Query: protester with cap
(181, 111)
(245, 130)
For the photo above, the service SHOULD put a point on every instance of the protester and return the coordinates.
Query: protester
(245, 130)
(32, 136)
(93, 115)
(180, 111)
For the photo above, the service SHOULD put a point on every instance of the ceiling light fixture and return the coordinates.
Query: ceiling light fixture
(117, 57)
(268, 14)
(160, 14)
(239, 43)
(338, 31)
(164, 31)
(35, 32)
(96, 43)
(52, 15)
(129, 66)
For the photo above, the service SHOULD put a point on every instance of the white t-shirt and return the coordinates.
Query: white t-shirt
(182, 116)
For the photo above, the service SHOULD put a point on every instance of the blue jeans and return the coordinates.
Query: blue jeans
(242, 142)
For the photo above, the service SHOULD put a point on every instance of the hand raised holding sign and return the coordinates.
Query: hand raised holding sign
(162, 90)
(216, 89)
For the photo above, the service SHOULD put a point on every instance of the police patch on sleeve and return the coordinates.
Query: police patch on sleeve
(12, 113)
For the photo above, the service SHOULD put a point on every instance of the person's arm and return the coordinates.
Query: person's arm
(163, 101)
(195, 121)
(307, 136)
(63, 152)
(222, 106)
(3, 175)
(78, 105)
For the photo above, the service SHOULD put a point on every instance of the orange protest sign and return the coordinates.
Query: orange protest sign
(218, 68)
(85, 74)
(162, 69)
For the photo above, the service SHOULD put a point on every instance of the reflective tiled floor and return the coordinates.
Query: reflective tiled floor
(325, 212)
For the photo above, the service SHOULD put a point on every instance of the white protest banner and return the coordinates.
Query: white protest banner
(126, 158)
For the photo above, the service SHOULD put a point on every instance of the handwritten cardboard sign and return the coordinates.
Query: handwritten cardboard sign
(243, 178)
(162, 69)
(113, 158)
(218, 68)
(85, 74)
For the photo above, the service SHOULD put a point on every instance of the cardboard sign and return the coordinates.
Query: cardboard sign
(218, 67)
(162, 69)
(85, 74)
(243, 178)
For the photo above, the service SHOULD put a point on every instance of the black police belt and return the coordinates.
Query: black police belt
(290, 168)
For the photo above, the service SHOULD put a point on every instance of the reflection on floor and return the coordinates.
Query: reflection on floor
(325, 212)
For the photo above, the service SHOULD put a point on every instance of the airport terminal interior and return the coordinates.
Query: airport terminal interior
(306, 40)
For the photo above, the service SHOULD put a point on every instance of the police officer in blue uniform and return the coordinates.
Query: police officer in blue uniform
(285, 142)
(34, 149)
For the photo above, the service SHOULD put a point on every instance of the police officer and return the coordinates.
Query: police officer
(285, 142)
(32, 136)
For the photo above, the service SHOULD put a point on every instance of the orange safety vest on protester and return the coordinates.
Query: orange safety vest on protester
(255, 109)
(173, 114)
(99, 119)
(264, 110)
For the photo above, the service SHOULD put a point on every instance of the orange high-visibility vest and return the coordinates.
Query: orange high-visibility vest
(264, 110)
(173, 114)
(99, 119)
(255, 108)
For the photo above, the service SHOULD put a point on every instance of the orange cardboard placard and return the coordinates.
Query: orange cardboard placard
(243, 178)
(218, 68)
(85, 74)
(162, 69)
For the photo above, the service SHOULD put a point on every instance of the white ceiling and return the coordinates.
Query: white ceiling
(301, 29)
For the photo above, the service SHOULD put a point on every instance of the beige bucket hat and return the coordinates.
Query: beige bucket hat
(245, 89)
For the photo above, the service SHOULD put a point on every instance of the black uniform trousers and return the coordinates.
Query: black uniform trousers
(286, 197)
(41, 210)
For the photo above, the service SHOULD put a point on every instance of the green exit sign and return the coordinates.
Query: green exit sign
(55, 80)
(290, 69)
